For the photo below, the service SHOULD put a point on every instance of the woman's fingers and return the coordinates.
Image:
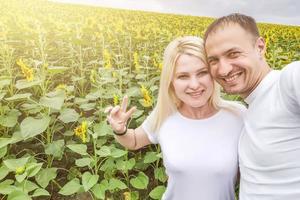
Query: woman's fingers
(129, 113)
(116, 125)
(108, 109)
(114, 110)
(118, 116)
(111, 122)
(124, 103)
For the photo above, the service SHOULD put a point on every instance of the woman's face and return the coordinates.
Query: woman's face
(193, 85)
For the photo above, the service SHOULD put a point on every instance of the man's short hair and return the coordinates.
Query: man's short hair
(246, 22)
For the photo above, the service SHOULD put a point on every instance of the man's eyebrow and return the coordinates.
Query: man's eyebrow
(209, 58)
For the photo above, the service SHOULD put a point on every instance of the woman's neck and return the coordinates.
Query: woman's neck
(197, 113)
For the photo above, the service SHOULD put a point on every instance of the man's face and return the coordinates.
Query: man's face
(235, 58)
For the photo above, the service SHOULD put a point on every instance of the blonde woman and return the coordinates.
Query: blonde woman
(198, 131)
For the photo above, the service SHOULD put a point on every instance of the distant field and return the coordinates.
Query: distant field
(60, 66)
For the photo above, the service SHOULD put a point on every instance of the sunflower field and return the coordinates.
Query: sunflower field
(60, 67)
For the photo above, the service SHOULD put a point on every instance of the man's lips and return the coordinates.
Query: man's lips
(232, 77)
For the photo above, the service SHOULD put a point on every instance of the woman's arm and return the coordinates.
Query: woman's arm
(130, 138)
(133, 139)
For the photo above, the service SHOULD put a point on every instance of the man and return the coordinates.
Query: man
(269, 149)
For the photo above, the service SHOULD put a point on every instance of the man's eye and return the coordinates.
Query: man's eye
(234, 54)
(212, 62)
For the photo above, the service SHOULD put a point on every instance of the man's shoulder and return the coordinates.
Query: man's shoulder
(289, 84)
(291, 68)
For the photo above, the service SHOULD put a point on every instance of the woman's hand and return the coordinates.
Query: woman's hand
(117, 116)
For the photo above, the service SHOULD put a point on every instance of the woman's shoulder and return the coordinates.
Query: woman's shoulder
(235, 107)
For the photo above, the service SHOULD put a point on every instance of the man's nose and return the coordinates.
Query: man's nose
(224, 67)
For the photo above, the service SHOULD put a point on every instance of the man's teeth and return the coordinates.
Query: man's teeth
(231, 78)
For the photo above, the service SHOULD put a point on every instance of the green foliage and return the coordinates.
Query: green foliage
(60, 67)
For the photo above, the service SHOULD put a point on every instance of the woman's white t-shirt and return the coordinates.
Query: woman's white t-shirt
(200, 156)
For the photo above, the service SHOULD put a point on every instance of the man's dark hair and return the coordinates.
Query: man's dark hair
(246, 22)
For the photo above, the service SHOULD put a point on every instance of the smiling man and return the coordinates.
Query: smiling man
(269, 148)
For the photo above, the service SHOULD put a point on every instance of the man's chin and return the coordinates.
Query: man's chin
(232, 91)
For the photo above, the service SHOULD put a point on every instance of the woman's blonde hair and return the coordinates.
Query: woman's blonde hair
(167, 102)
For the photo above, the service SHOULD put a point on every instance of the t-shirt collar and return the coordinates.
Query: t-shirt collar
(267, 81)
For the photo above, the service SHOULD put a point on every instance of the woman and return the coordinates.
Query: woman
(198, 131)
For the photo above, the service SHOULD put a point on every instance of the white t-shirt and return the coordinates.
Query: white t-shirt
(200, 156)
(269, 149)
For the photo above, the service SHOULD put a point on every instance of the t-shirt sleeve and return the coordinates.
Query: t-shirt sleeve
(146, 125)
(236, 107)
(290, 86)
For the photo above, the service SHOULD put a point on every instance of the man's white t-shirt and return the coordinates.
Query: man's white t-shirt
(200, 156)
(269, 149)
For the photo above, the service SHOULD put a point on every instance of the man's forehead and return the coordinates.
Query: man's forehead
(229, 26)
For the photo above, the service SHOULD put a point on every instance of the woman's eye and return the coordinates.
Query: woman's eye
(202, 73)
(182, 77)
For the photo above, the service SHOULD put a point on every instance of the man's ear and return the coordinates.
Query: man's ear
(261, 45)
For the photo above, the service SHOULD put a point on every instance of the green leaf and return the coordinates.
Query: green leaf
(4, 83)
(2, 94)
(6, 187)
(3, 172)
(17, 137)
(125, 164)
(130, 164)
(4, 142)
(56, 148)
(89, 180)
(33, 168)
(31, 108)
(108, 165)
(53, 100)
(137, 114)
(82, 162)
(102, 129)
(21, 84)
(99, 190)
(140, 182)
(78, 148)
(133, 91)
(18, 97)
(157, 192)
(93, 96)
(10, 119)
(18, 195)
(13, 164)
(104, 151)
(160, 174)
(3, 151)
(115, 183)
(87, 106)
(31, 127)
(71, 187)
(45, 176)
(68, 115)
(21, 177)
(27, 185)
(150, 157)
(56, 69)
(117, 153)
(40, 192)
